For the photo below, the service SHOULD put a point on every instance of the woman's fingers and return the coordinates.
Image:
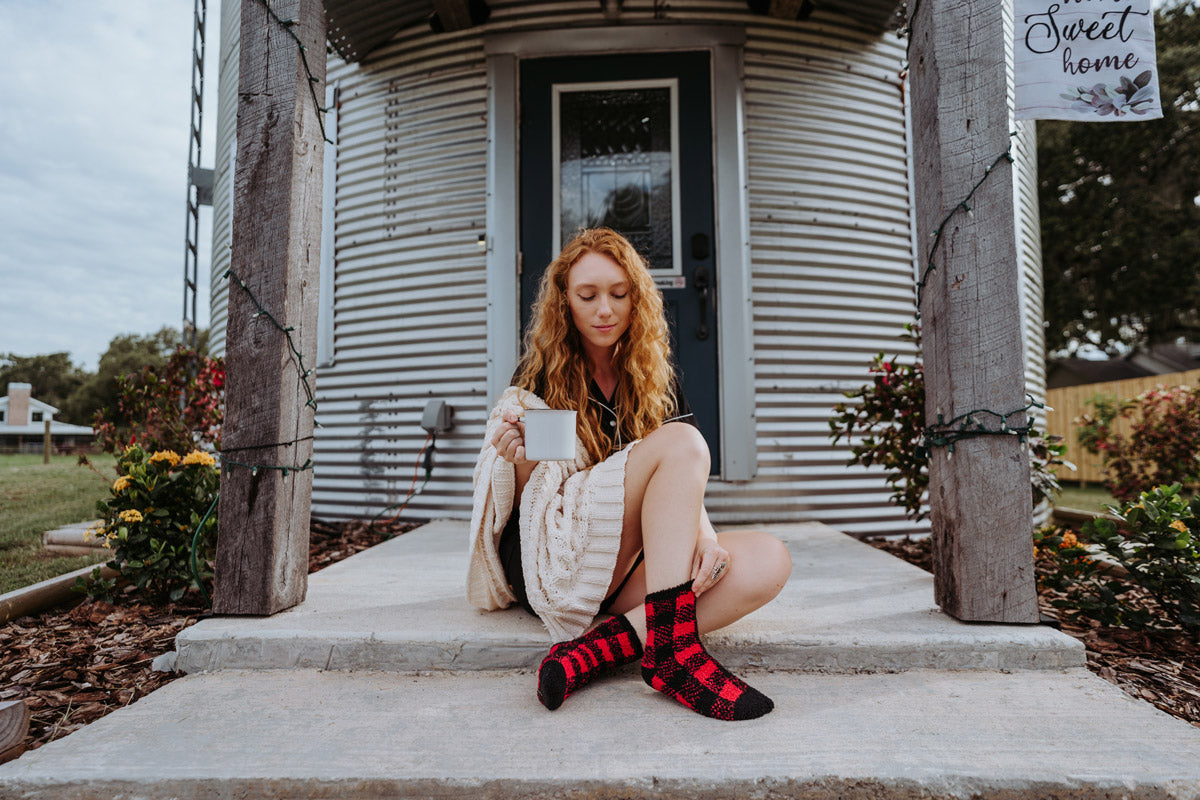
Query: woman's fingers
(509, 441)
(713, 563)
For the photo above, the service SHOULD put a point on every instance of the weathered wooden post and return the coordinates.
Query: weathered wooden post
(262, 547)
(982, 510)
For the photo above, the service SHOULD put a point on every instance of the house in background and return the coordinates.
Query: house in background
(1159, 359)
(758, 153)
(23, 424)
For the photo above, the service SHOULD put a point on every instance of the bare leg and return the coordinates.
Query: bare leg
(665, 477)
(760, 566)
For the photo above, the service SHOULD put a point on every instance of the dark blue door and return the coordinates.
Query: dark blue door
(626, 141)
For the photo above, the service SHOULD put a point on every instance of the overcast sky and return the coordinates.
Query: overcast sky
(94, 118)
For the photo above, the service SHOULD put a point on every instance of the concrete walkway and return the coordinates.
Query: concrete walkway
(877, 695)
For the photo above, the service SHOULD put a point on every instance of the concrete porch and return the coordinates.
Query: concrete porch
(384, 683)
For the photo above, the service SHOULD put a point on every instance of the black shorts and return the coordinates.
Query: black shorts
(510, 559)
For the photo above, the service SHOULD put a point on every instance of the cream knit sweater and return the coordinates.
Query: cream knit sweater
(571, 516)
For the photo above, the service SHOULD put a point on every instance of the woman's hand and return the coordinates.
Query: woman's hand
(709, 565)
(509, 439)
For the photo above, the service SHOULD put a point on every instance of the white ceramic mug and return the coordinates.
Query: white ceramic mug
(549, 434)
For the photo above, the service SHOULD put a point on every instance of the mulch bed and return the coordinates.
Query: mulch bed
(1161, 669)
(72, 665)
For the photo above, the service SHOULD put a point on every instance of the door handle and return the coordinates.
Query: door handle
(700, 281)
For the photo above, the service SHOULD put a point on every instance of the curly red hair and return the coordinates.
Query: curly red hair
(554, 362)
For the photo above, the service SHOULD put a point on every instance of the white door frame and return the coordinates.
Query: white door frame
(735, 340)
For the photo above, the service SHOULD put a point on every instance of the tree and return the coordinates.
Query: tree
(1120, 206)
(127, 353)
(53, 378)
(174, 406)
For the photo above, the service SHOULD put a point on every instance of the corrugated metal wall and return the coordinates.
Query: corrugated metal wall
(409, 294)
(832, 274)
(222, 225)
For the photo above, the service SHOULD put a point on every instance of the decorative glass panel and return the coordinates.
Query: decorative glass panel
(616, 163)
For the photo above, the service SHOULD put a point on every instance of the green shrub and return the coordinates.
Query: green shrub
(1154, 542)
(1162, 444)
(889, 421)
(171, 407)
(155, 508)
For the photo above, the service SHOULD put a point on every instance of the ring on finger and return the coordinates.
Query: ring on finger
(718, 569)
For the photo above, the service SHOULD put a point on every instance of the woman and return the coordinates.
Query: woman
(623, 529)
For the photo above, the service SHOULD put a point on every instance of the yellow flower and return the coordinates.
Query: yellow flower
(199, 457)
(1179, 526)
(120, 483)
(165, 455)
(93, 531)
(130, 515)
(1069, 540)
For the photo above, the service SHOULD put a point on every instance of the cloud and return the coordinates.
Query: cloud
(93, 173)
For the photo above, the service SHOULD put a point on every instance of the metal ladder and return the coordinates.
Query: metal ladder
(199, 185)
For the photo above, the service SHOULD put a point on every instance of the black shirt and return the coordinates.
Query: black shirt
(610, 414)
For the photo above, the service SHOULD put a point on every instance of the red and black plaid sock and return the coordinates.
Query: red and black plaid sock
(676, 663)
(572, 665)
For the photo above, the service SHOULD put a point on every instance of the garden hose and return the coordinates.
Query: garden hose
(195, 539)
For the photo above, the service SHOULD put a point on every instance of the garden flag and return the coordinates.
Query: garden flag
(1085, 60)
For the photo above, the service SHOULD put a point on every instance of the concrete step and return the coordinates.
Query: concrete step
(74, 540)
(919, 734)
(401, 606)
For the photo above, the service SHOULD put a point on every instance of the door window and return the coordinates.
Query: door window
(616, 164)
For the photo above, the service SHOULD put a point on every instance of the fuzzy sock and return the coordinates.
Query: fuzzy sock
(572, 665)
(676, 663)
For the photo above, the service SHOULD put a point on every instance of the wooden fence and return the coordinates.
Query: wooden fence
(1065, 405)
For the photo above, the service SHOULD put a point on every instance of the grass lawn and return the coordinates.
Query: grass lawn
(37, 497)
(1087, 498)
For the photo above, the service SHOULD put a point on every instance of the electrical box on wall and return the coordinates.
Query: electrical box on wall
(438, 417)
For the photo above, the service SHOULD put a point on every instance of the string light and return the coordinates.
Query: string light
(288, 25)
(305, 373)
(229, 463)
(968, 426)
(906, 31)
(964, 205)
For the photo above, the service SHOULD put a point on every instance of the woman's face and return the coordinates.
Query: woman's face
(598, 292)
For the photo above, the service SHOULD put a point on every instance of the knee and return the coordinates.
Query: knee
(774, 564)
(681, 444)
